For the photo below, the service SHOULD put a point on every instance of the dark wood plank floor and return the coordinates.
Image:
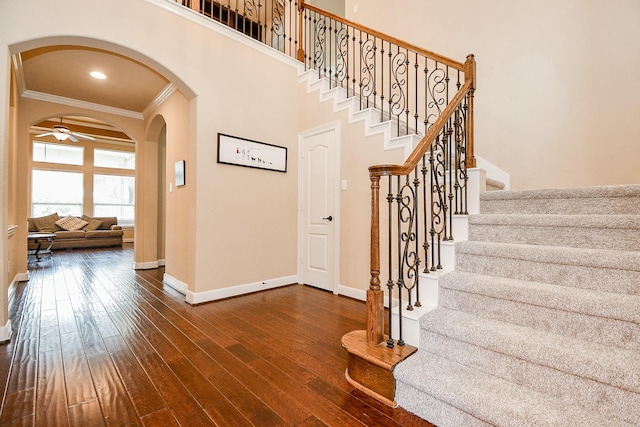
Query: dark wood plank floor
(98, 344)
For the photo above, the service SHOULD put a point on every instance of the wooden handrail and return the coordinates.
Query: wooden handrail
(424, 144)
(427, 53)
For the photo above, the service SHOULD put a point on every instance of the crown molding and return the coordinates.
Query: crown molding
(159, 99)
(39, 96)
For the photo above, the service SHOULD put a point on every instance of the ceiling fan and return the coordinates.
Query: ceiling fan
(62, 133)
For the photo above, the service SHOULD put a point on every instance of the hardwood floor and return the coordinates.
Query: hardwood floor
(98, 344)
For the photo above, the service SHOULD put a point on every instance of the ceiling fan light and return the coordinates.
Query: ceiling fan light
(60, 136)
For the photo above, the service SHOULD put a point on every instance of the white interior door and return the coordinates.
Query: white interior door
(319, 208)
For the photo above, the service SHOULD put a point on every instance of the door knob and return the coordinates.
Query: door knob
(330, 218)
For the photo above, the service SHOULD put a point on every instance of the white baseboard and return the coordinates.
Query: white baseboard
(21, 277)
(361, 294)
(174, 283)
(161, 263)
(354, 293)
(5, 332)
(146, 265)
(494, 172)
(128, 240)
(232, 291)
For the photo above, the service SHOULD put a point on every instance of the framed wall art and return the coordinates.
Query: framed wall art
(180, 178)
(233, 150)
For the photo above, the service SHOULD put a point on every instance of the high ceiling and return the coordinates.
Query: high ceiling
(61, 74)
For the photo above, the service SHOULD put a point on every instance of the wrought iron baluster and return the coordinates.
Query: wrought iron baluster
(360, 67)
(382, 80)
(448, 232)
(368, 52)
(425, 243)
(397, 95)
(342, 45)
(375, 88)
(390, 342)
(400, 281)
(416, 234)
(319, 55)
(355, 55)
(415, 115)
(330, 53)
(426, 95)
(278, 26)
(439, 204)
(293, 41)
(406, 98)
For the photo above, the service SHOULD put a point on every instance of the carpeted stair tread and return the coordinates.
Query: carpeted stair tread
(601, 269)
(614, 232)
(591, 302)
(585, 257)
(490, 399)
(602, 317)
(630, 190)
(583, 221)
(605, 200)
(571, 389)
(606, 364)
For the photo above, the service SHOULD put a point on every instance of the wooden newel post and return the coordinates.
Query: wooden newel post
(300, 33)
(470, 74)
(375, 296)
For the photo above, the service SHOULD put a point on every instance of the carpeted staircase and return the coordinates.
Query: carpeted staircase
(539, 323)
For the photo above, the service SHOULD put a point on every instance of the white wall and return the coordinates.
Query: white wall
(558, 95)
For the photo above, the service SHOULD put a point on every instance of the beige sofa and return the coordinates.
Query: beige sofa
(98, 232)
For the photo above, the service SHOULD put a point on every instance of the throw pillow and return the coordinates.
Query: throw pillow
(47, 224)
(92, 223)
(71, 223)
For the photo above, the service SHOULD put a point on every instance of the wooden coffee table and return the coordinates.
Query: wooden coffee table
(42, 239)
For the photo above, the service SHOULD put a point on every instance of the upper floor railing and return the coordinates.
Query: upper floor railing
(420, 92)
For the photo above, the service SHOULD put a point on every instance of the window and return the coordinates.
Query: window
(114, 195)
(114, 159)
(56, 191)
(57, 153)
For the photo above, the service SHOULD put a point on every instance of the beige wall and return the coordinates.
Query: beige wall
(334, 6)
(172, 117)
(241, 223)
(557, 97)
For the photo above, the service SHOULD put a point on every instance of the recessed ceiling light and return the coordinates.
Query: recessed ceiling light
(97, 75)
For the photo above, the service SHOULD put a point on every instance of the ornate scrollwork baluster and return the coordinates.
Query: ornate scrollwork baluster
(461, 160)
(278, 28)
(342, 60)
(438, 230)
(436, 94)
(367, 81)
(397, 96)
(319, 56)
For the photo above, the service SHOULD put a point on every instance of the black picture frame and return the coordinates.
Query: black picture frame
(233, 150)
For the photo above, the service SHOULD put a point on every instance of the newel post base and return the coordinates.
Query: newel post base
(375, 316)
(370, 366)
